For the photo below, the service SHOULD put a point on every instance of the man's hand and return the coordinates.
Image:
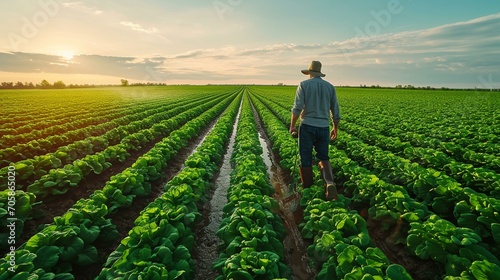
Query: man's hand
(293, 130)
(333, 134)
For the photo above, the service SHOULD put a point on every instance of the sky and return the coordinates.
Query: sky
(446, 43)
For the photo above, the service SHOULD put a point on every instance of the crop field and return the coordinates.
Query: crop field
(191, 182)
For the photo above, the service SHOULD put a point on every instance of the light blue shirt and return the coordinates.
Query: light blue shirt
(315, 99)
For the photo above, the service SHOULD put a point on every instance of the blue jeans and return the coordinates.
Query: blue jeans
(309, 137)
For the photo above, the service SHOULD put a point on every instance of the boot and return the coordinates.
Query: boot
(327, 175)
(306, 176)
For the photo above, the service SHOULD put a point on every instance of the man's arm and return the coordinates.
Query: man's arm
(293, 121)
(297, 108)
(334, 108)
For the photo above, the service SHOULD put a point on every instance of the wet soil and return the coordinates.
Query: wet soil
(295, 246)
(391, 242)
(206, 251)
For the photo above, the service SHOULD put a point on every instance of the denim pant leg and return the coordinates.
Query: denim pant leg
(309, 137)
(322, 143)
(306, 141)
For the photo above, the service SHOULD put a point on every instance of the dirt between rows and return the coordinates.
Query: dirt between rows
(295, 246)
(391, 242)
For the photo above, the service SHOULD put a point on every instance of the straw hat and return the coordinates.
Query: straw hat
(314, 69)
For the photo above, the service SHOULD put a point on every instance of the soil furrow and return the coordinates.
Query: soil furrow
(295, 248)
(206, 251)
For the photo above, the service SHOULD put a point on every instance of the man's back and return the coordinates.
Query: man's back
(317, 98)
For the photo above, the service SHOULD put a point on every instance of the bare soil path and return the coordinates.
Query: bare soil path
(294, 244)
(206, 251)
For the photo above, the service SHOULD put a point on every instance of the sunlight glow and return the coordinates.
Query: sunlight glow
(67, 55)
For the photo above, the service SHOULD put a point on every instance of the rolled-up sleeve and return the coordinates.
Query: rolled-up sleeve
(334, 107)
(299, 104)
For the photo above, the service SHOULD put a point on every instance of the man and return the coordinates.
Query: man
(315, 102)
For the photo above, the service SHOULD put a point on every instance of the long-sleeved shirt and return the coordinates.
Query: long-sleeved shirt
(315, 99)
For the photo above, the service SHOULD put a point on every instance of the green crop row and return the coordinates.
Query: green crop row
(44, 105)
(60, 180)
(15, 125)
(251, 232)
(57, 126)
(160, 244)
(342, 247)
(73, 239)
(37, 147)
(459, 250)
(439, 115)
(442, 193)
(35, 164)
(482, 154)
(480, 179)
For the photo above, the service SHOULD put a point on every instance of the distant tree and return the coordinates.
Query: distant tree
(7, 85)
(19, 85)
(45, 84)
(124, 82)
(59, 84)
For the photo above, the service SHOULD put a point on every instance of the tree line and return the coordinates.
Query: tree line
(44, 84)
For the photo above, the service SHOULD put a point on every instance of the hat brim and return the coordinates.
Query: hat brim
(313, 73)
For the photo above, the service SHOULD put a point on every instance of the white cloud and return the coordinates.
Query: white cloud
(80, 6)
(138, 27)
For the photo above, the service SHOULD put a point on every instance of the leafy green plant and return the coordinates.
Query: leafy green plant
(252, 235)
(16, 205)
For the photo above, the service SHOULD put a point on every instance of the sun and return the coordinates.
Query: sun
(67, 55)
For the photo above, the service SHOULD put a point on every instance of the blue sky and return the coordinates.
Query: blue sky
(390, 42)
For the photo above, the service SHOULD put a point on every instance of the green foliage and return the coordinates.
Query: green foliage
(251, 233)
(159, 245)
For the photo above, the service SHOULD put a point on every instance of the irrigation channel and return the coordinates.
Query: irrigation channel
(206, 251)
(295, 249)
